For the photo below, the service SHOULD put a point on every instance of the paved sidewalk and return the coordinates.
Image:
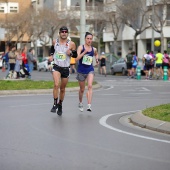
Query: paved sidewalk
(153, 124)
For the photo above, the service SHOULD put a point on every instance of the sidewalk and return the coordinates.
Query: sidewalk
(153, 124)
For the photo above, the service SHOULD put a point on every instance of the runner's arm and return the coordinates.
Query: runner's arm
(96, 55)
(79, 54)
(72, 51)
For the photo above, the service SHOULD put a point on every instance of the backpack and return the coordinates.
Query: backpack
(166, 58)
(129, 58)
(147, 61)
(135, 63)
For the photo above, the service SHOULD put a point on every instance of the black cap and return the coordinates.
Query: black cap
(63, 28)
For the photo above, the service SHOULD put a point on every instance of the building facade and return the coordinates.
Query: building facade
(10, 8)
(144, 40)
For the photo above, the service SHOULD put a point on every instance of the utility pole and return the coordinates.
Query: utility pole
(82, 21)
(153, 3)
(35, 43)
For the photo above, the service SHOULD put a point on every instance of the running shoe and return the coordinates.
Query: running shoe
(54, 108)
(81, 107)
(59, 111)
(89, 108)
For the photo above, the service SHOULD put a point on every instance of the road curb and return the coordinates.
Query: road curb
(153, 124)
(40, 91)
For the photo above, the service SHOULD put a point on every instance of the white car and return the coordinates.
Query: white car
(1, 59)
(43, 65)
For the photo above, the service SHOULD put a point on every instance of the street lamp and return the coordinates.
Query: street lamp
(35, 1)
(153, 3)
(82, 21)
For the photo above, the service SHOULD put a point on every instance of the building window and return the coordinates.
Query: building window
(13, 9)
(2, 10)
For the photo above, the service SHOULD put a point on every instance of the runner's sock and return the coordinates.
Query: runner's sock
(55, 101)
(60, 102)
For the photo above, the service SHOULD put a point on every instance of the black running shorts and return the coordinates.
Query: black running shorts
(64, 71)
(129, 65)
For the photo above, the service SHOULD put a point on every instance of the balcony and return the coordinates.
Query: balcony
(167, 23)
(74, 12)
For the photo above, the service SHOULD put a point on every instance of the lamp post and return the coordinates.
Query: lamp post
(35, 1)
(153, 3)
(82, 21)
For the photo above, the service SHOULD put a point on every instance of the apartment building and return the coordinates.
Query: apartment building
(70, 9)
(144, 40)
(7, 9)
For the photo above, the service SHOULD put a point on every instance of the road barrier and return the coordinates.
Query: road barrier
(138, 73)
(165, 78)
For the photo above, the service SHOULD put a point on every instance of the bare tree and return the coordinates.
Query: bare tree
(115, 22)
(158, 20)
(134, 14)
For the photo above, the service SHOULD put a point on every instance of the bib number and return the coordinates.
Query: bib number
(87, 60)
(60, 56)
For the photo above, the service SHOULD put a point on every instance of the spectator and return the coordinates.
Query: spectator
(128, 60)
(12, 59)
(31, 59)
(152, 64)
(134, 64)
(103, 63)
(159, 60)
(7, 61)
(72, 65)
(147, 59)
(166, 62)
(18, 64)
(24, 59)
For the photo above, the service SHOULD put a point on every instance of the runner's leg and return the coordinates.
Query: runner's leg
(90, 78)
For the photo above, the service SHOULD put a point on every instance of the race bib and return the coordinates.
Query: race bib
(87, 60)
(60, 56)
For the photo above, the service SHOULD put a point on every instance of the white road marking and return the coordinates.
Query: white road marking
(110, 87)
(103, 120)
(140, 93)
(137, 89)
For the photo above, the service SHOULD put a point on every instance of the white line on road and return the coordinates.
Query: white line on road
(103, 120)
(110, 87)
(137, 89)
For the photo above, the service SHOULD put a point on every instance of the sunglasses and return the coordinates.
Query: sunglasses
(64, 31)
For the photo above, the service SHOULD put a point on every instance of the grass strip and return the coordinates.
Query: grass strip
(31, 85)
(161, 112)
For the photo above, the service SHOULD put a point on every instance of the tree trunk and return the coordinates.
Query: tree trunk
(134, 43)
(162, 42)
(115, 47)
(98, 46)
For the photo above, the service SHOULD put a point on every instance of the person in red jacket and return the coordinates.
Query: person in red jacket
(25, 61)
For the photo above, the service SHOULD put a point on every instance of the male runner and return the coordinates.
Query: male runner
(61, 51)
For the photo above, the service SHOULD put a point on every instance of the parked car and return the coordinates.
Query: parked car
(1, 59)
(119, 66)
(43, 65)
(1, 62)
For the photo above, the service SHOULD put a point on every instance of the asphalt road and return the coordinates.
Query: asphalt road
(33, 138)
